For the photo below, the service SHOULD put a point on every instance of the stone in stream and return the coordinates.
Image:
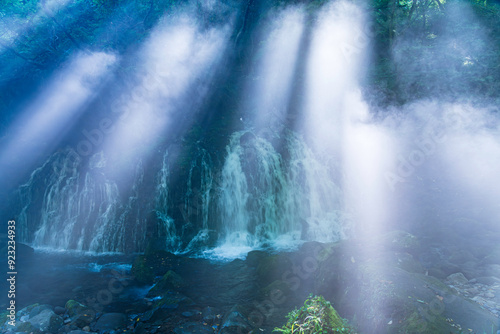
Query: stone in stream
(111, 321)
(46, 321)
(59, 310)
(235, 322)
(193, 328)
(457, 279)
(171, 281)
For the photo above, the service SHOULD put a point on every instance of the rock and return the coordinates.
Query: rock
(254, 257)
(235, 322)
(77, 331)
(276, 291)
(59, 310)
(400, 241)
(46, 321)
(83, 319)
(193, 328)
(170, 281)
(26, 310)
(141, 271)
(457, 279)
(75, 307)
(165, 306)
(406, 262)
(209, 314)
(111, 321)
(38, 309)
(378, 292)
(272, 267)
(24, 327)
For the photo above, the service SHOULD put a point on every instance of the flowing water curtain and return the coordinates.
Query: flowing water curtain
(264, 197)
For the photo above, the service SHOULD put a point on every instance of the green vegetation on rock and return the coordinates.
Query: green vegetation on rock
(316, 316)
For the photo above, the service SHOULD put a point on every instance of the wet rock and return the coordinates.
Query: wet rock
(59, 310)
(457, 279)
(406, 262)
(38, 309)
(272, 268)
(111, 321)
(83, 319)
(74, 307)
(235, 322)
(169, 282)
(46, 321)
(193, 328)
(165, 306)
(209, 315)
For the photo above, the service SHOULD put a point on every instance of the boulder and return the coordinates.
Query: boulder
(171, 281)
(111, 321)
(46, 321)
(457, 279)
(234, 322)
(193, 328)
(74, 307)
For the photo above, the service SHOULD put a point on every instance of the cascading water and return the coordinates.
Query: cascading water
(73, 209)
(167, 227)
(264, 198)
(269, 189)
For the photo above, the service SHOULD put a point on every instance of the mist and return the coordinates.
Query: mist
(239, 149)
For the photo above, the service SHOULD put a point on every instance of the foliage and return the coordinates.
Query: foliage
(434, 48)
(316, 316)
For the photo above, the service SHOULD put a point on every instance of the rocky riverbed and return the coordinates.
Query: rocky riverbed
(397, 283)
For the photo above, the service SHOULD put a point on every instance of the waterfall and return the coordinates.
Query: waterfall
(264, 197)
(167, 227)
(73, 208)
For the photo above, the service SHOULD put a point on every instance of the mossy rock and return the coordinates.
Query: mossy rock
(75, 308)
(142, 271)
(316, 316)
(415, 323)
(171, 281)
(26, 327)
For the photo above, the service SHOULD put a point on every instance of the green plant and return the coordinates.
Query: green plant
(316, 316)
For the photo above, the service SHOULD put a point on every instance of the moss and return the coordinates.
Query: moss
(75, 307)
(316, 316)
(416, 323)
